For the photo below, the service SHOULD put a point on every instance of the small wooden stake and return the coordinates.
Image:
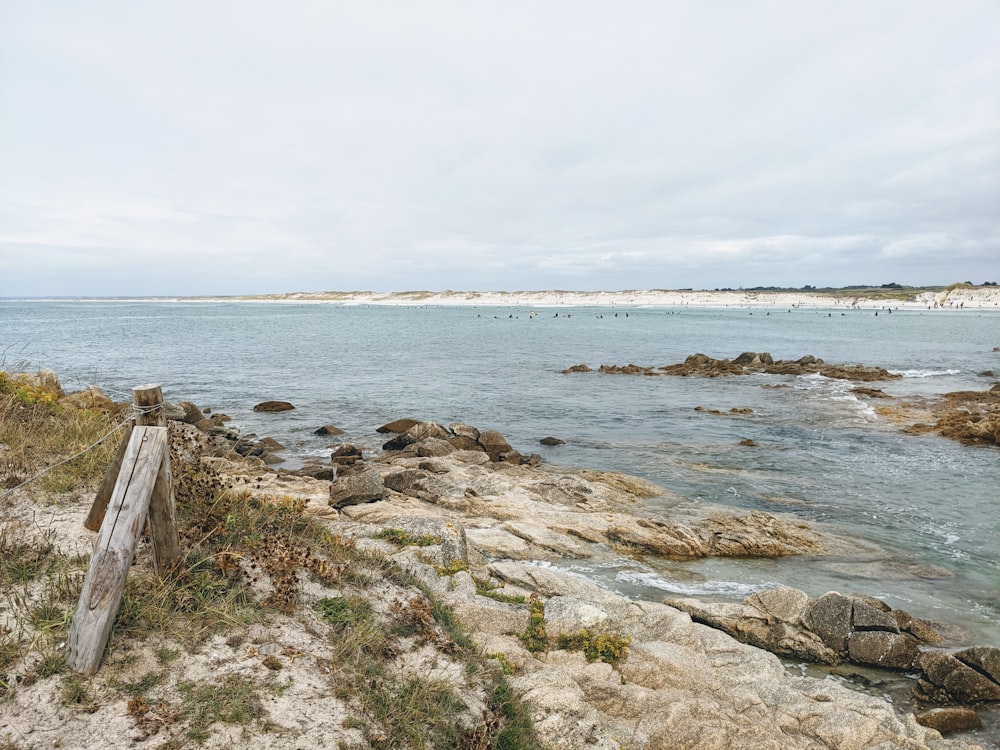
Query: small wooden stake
(163, 519)
(105, 581)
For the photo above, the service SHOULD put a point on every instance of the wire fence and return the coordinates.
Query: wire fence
(27, 366)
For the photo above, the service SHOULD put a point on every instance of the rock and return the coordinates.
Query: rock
(748, 443)
(985, 659)
(552, 441)
(577, 368)
(569, 614)
(870, 392)
(783, 603)
(328, 429)
(494, 444)
(403, 480)
(317, 471)
(48, 380)
(746, 363)
(426, 431)
(760, 627)
(192, 414)
(829, 617)
(400, 425)
(758, 535)
(416, 433)
(673, 541)
(872, 614)
(465, 443)
(462, 430)
(270, 444)
(397, 443)
(347, 454)
(878, 648)
(365, 486)
(434, 448)
(454, 547)
(273, 406)
(947, 679)
(950, 719)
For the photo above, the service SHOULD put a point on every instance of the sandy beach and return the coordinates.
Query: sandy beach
(952, 298)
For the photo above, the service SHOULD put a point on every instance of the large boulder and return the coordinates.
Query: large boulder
(494, 444)
(346, 454)
(365, 486)
(399, 425)
(416, 433)
(829, 617)
(461, 429)
(969, 676)
(880, 648)
(758, 535)
(766, 624)
(192, 414)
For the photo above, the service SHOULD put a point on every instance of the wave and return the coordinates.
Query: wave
(703, 588)
(925, 373)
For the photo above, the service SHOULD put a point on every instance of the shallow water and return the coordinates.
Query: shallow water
(822, 454)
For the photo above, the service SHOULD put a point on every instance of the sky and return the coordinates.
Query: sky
(189, 148)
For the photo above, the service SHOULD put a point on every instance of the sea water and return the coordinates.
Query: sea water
(925, 508)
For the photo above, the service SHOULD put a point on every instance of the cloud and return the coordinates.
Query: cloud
(453, 145)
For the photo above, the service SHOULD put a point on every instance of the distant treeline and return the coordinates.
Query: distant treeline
(848, 288)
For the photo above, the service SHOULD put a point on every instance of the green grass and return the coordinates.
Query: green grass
(344, 612)
(406, 539)
(234, 700)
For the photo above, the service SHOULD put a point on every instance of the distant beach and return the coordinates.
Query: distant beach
(951, 298)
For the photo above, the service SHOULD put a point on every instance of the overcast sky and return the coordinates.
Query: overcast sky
(252, 147)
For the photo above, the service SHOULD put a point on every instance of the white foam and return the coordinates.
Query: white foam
(703, 588)
(925, 373)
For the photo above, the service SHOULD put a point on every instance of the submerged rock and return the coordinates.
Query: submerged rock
(273, 406)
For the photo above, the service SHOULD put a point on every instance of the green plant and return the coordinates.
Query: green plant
(608, 647)
(453, 567)
(534, 637)
(506, 665)
(344, 612)
(235, 700)
(406, 539)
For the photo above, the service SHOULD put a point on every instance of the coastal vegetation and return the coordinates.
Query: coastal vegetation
(247, 567)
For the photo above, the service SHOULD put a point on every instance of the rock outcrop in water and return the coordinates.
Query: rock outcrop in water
(701, 365)
(971, 417)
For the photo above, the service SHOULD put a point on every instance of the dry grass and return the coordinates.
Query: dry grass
(39, 432)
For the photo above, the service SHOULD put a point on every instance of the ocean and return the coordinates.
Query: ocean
(926, 507)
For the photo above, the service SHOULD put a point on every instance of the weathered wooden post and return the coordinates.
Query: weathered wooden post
(102, 588)
(147, 402)
(137, 487)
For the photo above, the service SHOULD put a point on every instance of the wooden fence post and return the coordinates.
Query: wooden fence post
(148, 403)
(102, 588)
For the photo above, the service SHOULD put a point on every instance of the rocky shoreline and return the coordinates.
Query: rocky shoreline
(505, 512)
(675, 674)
